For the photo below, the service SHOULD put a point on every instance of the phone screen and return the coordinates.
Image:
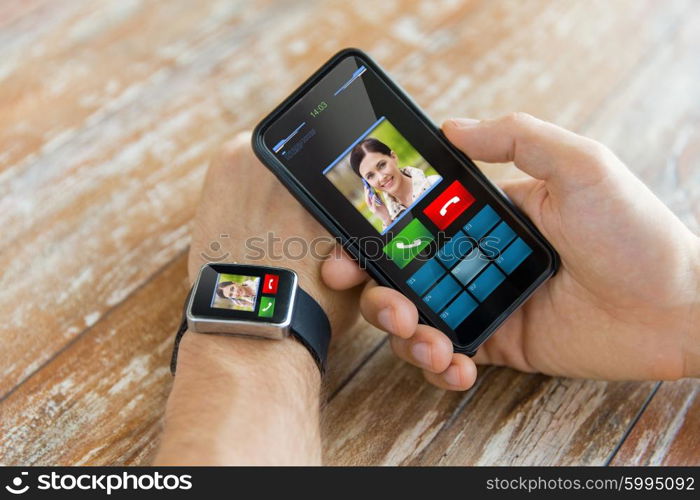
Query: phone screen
(438, 233)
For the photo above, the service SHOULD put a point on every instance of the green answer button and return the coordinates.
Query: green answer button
(408, 243)
(267, 307)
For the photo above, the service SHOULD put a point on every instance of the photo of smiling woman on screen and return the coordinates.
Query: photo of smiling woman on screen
(382, 175)
(389, 190)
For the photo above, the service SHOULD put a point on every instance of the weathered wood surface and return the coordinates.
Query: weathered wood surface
(667, 431)
(109, 113)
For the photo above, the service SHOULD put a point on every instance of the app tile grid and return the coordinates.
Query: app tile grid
(462, 275)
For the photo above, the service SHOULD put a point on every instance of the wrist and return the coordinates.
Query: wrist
(261, 395)
(204, 355)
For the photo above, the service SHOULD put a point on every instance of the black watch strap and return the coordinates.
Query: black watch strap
(180, 332)
(309, 325)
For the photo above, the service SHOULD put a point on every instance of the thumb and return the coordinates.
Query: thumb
(563, 159)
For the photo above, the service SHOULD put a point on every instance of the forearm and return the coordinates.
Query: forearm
(238, 400)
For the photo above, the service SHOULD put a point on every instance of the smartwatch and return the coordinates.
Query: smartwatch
(255, 301)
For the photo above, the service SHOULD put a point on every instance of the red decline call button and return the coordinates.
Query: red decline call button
(270, 283)
(449, 205)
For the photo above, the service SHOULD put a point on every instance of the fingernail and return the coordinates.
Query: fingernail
(452, 376)
(421, 353)
(386, 319)
(464, 122)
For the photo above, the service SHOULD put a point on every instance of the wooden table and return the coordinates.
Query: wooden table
(109, 113)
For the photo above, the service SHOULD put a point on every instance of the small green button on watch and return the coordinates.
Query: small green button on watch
(267, 307)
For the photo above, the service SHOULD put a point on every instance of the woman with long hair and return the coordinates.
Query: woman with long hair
(377, 165)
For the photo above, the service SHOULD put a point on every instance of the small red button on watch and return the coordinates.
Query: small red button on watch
(270, 284)
(449, 205)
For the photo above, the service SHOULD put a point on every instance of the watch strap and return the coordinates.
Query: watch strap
(309, 325)
(180, 332)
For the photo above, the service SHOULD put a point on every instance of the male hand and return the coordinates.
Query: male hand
(236, 399)
(625, 303)
(247, 216)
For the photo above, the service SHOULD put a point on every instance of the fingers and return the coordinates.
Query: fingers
(389, 310)
(428, 348)
(421, 345)
(460, 375)
(541, 149)
(340, 271)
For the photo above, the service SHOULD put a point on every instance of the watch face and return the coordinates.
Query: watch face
(237, 292)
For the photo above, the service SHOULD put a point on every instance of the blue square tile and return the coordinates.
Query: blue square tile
(480, 224)
(470, 266)
(439, 296)
(486, 283)
(458, 311)
(426, 276)
(513, 256)
(452, 251)
(496, 240)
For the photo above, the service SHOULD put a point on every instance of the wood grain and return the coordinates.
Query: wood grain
(135, 166)
(114, 380)
(668, 432)
(109, 113)
(653, 121)
(388, 415)
(537, 420)
(105, 393)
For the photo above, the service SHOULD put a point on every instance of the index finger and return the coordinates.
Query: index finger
(340, 271)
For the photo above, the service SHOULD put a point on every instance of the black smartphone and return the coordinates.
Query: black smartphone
(443, 235)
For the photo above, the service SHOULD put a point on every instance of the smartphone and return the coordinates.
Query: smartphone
(455, 245)
(372, 193)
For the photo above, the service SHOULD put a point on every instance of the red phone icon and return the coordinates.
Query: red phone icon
(451, 201)
(270, 283)
(449, 205)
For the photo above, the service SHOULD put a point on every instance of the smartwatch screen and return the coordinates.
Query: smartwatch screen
(243, 292)
(236, 292)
